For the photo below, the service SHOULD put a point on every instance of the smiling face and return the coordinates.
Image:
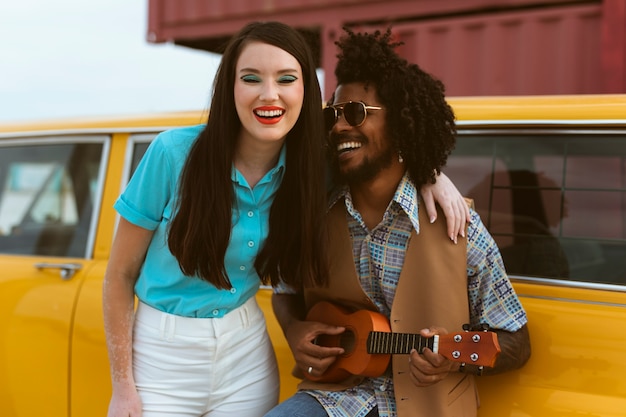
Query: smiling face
(269, 92)
(361, 152)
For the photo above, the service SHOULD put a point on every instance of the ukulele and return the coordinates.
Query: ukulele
(369, 343)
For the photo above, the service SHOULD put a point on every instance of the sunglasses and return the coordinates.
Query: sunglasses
(355, 113)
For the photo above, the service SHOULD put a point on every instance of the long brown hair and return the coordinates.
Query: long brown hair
(200, 230)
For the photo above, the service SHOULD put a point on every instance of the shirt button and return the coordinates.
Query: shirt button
(233, 290)
(383, 388)
(250, 244)
(250, 213)
(216, 312)
(242, 268)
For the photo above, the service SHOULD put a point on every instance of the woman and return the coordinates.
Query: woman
(211, 213)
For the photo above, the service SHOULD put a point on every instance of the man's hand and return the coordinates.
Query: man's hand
(311, 358)
(429, 368)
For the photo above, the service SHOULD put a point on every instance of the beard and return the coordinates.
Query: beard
(366, 171)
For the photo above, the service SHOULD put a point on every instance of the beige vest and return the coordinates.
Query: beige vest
(432, 290)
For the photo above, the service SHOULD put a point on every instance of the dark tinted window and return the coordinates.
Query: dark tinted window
(139, 144)
(555, 203)
(47, 194)
(138, 150)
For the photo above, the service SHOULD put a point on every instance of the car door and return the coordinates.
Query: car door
(50, 190)
(554, 199)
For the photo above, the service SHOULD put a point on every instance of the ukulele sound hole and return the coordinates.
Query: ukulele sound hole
(346, 340)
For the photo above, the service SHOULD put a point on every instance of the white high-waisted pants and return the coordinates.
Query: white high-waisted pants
(218, 367)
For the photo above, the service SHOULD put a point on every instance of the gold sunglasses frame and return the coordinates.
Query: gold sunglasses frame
(340, 106)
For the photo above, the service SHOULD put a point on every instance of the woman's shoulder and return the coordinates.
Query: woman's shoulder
(177, 140)
(173, 145)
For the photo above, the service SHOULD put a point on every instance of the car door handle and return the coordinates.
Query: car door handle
(67, 270)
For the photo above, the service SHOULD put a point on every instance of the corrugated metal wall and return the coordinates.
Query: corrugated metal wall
(476, 47)
(552, 51)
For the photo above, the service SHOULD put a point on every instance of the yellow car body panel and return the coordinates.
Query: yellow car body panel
(36, 309)
(541, 108)
(53, 357)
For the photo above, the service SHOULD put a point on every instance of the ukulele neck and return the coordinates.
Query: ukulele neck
(400, 343)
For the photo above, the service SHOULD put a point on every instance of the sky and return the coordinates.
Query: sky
(72, 58)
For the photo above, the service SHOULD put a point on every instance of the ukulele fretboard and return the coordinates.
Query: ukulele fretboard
(399, 343)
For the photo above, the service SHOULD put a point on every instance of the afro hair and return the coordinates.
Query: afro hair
(419, 121)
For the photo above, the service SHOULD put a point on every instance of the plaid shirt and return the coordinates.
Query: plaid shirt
(379, 256)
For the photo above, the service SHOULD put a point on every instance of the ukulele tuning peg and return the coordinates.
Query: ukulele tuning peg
(484, 327)
(466, 327)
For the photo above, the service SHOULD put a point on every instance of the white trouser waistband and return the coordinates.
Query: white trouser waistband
(171, 324)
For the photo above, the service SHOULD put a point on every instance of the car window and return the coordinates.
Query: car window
(555, 203)
(47, 195)
(139, 149)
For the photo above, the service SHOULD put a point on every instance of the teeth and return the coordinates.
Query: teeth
(348, 145)
(269, 113)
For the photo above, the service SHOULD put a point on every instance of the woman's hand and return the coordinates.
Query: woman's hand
(125, 400)
(454, 206)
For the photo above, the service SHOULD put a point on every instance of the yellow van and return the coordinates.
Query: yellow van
(548, 176)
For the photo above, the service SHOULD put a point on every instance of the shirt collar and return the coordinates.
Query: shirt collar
(406, 196)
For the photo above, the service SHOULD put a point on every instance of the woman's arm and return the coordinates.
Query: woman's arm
(127, 255)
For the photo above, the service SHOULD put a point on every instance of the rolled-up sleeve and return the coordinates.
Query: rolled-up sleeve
(149, 191)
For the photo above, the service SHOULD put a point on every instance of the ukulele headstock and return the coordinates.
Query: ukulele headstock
(480, 348)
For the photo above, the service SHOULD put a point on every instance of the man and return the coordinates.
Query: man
(391, 132)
